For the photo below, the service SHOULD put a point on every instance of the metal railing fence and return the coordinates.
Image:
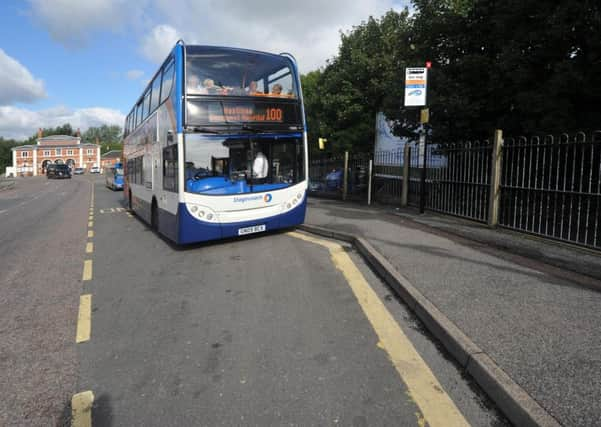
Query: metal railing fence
(551, 186)
(325, 175)
(548, 186)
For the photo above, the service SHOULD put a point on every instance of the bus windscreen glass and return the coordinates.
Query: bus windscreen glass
(224, 72)
(220, 165)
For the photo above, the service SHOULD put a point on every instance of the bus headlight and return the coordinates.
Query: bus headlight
(202, 212)
(296, 199)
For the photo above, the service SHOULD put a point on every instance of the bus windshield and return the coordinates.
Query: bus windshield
(229, 72)
(220, 165)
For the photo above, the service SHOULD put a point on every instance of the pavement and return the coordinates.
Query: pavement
(274, 329)
(538, 322)
(564, 256)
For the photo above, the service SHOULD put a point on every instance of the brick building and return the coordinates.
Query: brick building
(109, 158)
(32, 159)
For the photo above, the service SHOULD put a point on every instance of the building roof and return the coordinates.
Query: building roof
(113, 154)
(51, 147)
(59, 138)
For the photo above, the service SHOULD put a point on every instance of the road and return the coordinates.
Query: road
(277, 329)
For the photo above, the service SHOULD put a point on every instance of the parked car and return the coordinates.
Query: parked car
(78, 171)
(334, 180)
(58, 171)
(315, 186)
(94, 169)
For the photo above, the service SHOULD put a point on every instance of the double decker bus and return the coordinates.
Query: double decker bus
(216, 146)
(113, 177)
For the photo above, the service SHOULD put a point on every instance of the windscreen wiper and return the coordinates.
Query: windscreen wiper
(201, 129)
(251, 128)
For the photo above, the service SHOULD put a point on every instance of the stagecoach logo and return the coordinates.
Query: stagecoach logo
(266, 198)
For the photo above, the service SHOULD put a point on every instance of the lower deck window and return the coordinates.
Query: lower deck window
(241, 164)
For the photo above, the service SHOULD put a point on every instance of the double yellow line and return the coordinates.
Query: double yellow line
(81, 403)
(424, 389)
(84, 319)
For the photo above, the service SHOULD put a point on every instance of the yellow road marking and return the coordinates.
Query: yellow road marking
(87, 270)
(91, 217)
(84, 319)
(437, 407)
(89, 247)
(81, 409)
(101, 210)
(112, 210)
(90, 224)
(90, 233)
(130, 215)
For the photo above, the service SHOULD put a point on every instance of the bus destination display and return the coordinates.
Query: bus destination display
(212, 112)
(246, 114)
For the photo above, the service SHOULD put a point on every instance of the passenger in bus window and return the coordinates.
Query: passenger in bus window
(252, 89)
(208, 87)
(194, 85)
(276, 89)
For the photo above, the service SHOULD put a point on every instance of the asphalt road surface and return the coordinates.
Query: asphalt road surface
(274, 329)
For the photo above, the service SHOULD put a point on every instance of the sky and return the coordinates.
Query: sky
(85, 62)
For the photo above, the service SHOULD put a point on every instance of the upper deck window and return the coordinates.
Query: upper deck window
(226, 72)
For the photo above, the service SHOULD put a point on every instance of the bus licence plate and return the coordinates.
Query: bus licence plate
(250, 230)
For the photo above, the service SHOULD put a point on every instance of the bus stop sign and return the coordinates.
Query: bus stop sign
(416, 80)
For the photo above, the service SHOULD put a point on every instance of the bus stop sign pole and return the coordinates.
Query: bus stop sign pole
(416, 81)
(422, 158)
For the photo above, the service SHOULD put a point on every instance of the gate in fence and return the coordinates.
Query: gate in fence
(549, 186)
(458, 179)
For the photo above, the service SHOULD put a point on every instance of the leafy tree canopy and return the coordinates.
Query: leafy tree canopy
(523, 66)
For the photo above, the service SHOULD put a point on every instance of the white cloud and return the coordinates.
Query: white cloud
(134, 74)
(157, 44)
(21, 123)
(71, 22)
(16, 82)
(310, 29)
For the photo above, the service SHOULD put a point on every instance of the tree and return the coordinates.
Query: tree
(521, 65)
(109, 137)
(342, 99)
(6, 152)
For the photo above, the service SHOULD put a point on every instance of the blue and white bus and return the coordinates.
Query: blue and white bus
(216, 146)
(113, 177)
